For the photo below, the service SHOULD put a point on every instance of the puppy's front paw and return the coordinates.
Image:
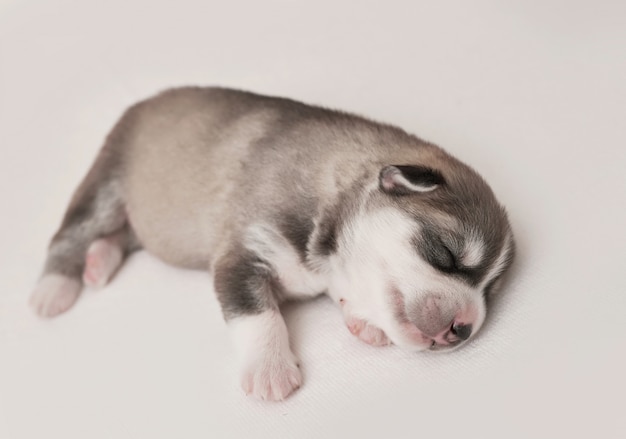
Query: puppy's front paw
(366, 332)
(271, 378)
(270, 370)
(54, 294)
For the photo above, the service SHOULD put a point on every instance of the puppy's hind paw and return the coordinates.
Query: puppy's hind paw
(54, 294)
(103, 258)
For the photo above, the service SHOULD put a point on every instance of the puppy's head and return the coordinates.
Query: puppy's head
(428, 246)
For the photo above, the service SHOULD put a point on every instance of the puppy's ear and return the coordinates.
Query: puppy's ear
(405, 180)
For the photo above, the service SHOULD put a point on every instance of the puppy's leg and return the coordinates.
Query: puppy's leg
(246, 288)
(269, 369)
(96, 217)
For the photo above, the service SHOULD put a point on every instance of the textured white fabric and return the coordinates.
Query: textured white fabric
(532, 94)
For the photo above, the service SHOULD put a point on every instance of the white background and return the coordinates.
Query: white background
(530, 93)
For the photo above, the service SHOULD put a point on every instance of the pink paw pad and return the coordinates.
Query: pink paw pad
(103, 258)
(370, 334)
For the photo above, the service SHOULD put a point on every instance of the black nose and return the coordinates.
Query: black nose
(461, 331)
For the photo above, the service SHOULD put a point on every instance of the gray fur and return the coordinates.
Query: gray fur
(188, 171)
(95, 211)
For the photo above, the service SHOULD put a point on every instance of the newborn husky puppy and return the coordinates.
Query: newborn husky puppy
(283, 200)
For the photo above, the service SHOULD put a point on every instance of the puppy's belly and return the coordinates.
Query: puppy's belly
(173, 234)
(179, 177)
(176, 216)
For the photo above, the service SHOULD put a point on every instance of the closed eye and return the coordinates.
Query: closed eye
(443, 259)
(435, 249)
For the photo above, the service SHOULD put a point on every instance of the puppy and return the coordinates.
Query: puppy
(282, 200)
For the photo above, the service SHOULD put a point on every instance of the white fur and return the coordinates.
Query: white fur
(473, 252)
(269, 369)
(298, 280)
(54, 294)
(377, 256)
(500, 264)
(363, 270)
